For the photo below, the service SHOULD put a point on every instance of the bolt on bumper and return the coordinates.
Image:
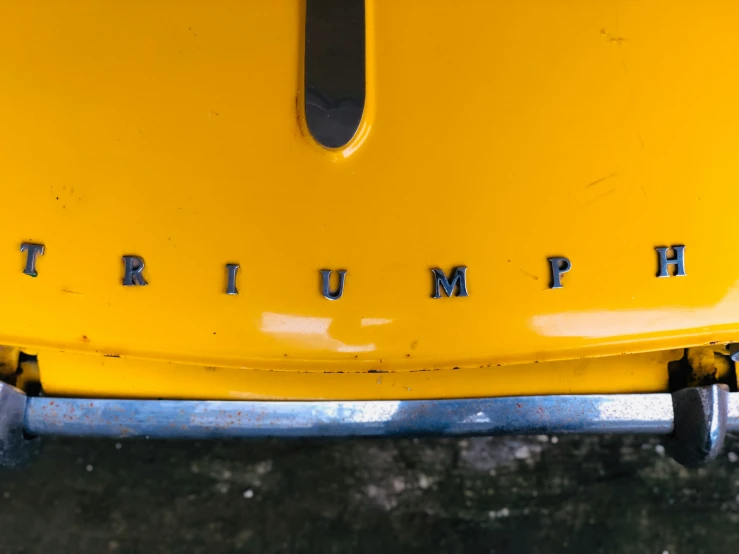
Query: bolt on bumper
(694, 420)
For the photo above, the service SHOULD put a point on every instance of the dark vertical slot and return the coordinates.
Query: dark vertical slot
(334, 69)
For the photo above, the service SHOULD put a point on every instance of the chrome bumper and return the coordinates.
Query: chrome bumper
(695, 420)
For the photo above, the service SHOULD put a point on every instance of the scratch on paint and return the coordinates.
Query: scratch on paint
(610, 176)
(612, 38)
(534, 277)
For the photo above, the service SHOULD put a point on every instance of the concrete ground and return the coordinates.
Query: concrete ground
(494, 495)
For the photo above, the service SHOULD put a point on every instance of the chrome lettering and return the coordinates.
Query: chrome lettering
(33, 251)
(458, 280)
(665, 262)
(559, 267)
(132, 273)
(326, 284)
(231, 270)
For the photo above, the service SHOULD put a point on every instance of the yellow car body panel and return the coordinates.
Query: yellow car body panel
(495, 135)
(70, 374)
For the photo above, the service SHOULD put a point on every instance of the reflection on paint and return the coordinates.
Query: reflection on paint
(614, 323)
(313, 331)
(355, 348)
(370, 321)
(292, 324)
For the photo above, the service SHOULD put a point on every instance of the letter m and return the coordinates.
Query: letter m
(458, 280)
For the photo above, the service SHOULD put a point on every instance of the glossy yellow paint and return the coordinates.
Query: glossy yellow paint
(495, 135)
